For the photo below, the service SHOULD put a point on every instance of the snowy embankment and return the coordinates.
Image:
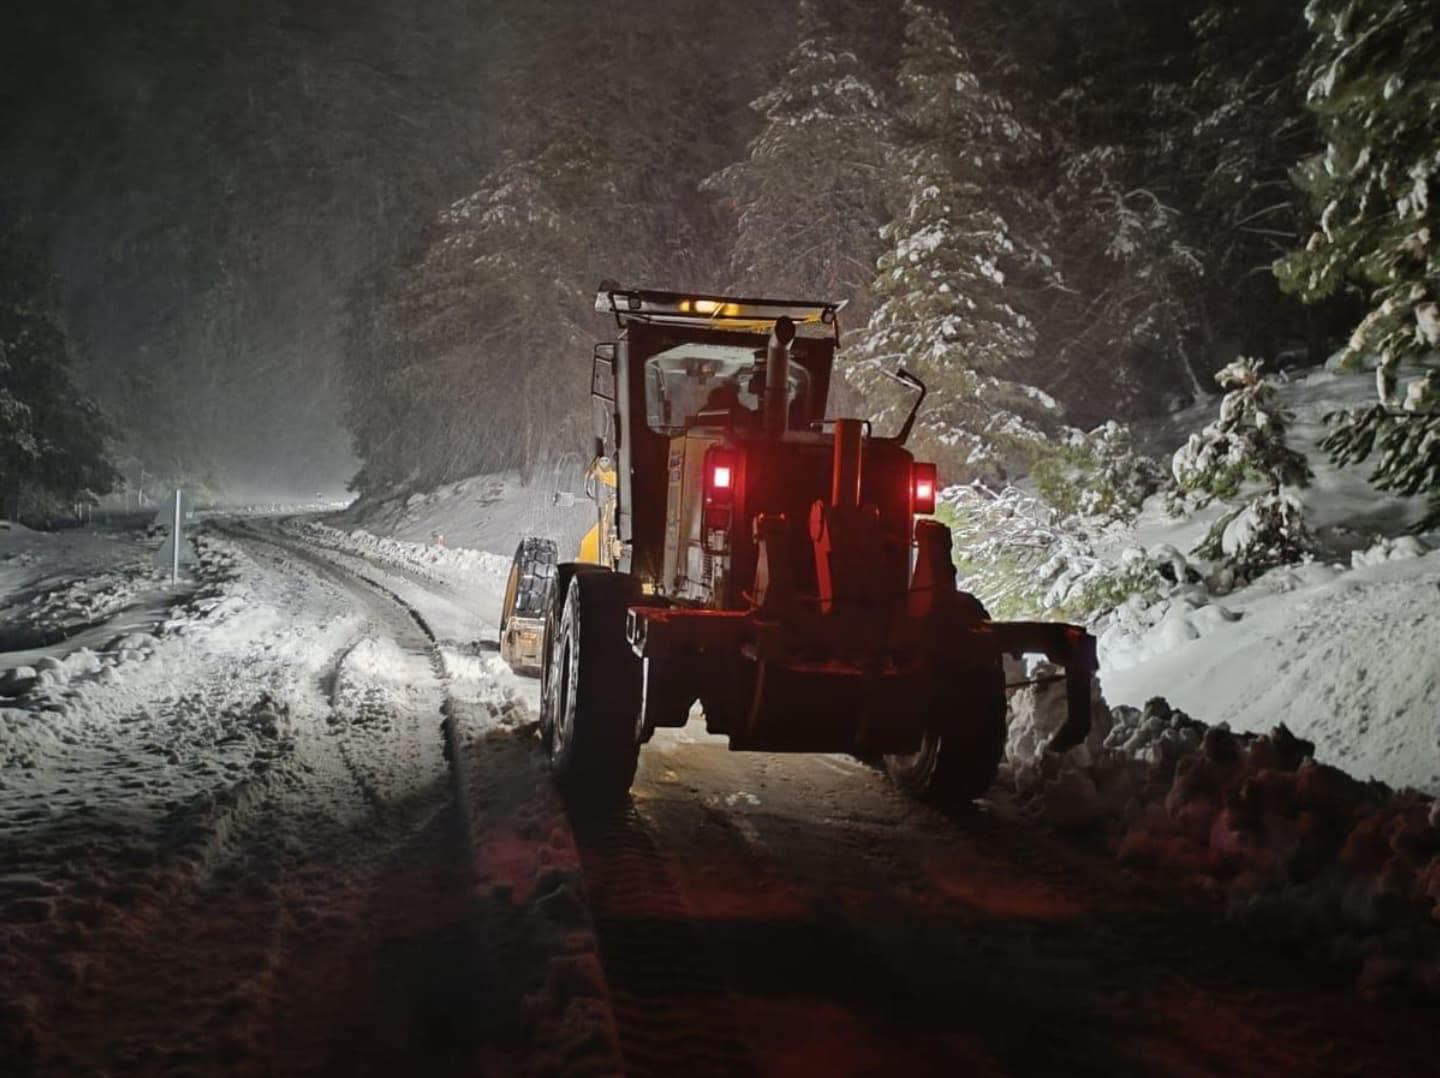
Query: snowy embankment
(489, 513)
(1342, 650)
(72, 586)
(1347, 659)
(1307, 685)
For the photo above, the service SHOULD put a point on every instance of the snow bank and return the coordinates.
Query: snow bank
(1301, 853)
(489, 513)
(448, 561)
(1341, 649)
(1346, 659)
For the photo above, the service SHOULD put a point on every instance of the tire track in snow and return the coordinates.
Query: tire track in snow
(338, 571)
(553, 1012)
(671, 1009)
(340, 864)
(448, 979)
(163, 918)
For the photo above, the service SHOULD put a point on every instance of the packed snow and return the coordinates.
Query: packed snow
(271, 711)
(1304, 855)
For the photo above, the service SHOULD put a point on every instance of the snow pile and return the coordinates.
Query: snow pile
(485, 512)
(445, 561)
(1302, 853)
(1346, 659)
(1401, 548)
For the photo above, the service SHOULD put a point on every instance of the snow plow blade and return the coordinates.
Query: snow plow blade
(834, 683)
(1068, 646)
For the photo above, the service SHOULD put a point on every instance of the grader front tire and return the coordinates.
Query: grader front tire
(532, 575)
(592, 691)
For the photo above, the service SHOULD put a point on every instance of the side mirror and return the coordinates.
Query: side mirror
(604, 425)
(602, 375)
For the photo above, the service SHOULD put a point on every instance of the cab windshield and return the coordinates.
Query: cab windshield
(699, 385)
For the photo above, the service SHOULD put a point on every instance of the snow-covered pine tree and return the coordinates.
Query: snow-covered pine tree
(1243, 125)
(495, 296)
(1375, 71)
(595, 175)
(942, 307)
(53, 449)
(1247, 444)
(809, 197)
(1097, 475)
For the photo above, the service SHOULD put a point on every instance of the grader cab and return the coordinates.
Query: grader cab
(773, 564)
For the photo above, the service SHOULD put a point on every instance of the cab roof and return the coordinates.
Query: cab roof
(704, 311)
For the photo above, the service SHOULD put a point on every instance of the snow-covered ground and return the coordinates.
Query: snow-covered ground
(312, 746)
(82, 586)
(1345, 650)
(1302, 855)
(488, 513)
(226, 805)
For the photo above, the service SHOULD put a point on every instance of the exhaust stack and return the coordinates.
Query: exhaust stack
(845, 469)
(777, 377)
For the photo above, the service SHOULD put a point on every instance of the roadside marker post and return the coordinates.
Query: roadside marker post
(175, 543)
(175, 551)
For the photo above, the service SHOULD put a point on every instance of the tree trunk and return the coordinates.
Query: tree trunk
(1188, 364)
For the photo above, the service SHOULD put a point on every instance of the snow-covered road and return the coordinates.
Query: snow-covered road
(306, 828)
(243, 848)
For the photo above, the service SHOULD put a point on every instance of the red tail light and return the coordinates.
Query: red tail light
(924, 482)
(720, 477)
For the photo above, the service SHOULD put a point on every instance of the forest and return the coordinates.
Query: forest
(276, 228)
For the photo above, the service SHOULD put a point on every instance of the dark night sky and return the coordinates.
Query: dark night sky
(209, 176)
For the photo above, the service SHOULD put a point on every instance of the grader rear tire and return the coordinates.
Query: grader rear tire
(591, 693)
(961, 753)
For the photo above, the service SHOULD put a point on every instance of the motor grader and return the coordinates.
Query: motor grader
(774, 564)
